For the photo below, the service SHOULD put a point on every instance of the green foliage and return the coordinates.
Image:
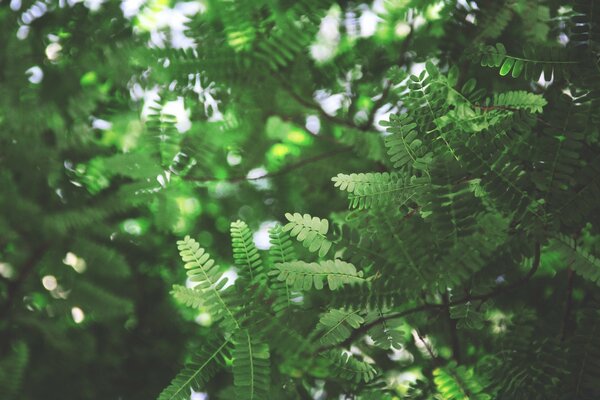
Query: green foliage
(250, 367)
(311, 231)
(348, 367)
(549, 61)
(197, 371)
(245, 253)
(461, 258)
(336, 325)
(12, 369)
(303, 275)
(457, 383)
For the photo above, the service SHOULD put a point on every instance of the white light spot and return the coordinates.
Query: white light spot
(131, 7)
(15, 5)
(198, 396)
(77, 263)
(331, 104)
(101, 124)
(177, 109)
(261, 237)
(23, 32)
(255, 178)
(203, 319)
(35, 74)
(402, 29)
(77, 314)
(313, 124)
(368, 23)
(132, 227)
(6, 270)
(231, 275)
(234, 158)
(53, 51)
(49, 282)
(329, 29)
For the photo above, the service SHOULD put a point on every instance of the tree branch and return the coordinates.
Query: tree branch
(289, 168)
(357, 333)
(313, 105)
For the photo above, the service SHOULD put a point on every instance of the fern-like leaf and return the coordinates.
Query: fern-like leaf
(458, 383)
(251, 368)
(301, 275)
(201, 368)
(202, 269)
(374, 189)
(520, 100)
(348, 367)
(245, 253)
(387, 334)
(188, 296)
(550, 61)
(405, 148)
(582, 262)
(311, 231)
(281, 251)
(336, 325)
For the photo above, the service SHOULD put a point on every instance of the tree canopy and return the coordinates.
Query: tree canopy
(272, 199)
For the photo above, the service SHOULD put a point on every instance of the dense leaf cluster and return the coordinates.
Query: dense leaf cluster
(380, 200)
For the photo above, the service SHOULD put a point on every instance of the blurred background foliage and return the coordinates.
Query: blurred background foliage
(125, 125)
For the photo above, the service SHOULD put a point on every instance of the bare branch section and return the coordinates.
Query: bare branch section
(285, 170)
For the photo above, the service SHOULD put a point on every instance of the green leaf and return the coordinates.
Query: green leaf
(506, 66)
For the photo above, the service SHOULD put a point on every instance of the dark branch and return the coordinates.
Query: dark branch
(283, 171)
(357, 333)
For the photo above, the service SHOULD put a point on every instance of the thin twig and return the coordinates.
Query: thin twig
(313, 105)
(283, 171)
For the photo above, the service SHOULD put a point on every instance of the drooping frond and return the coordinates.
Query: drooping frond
(552, 61)
(582, 262)
(245, 253)
(188, 296)
(310, 231)
(458, 383)
(375, 189)
(202, 269)
(501, 176)
(199, 370)
(12, 369)
(349, 367)
(520, 100)
(451, 201)
(301, 275)
(336, 325)
(251, 367)
(405, 148)
(469, 316)
(281, 251)
(386, 335)
(584, 351)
